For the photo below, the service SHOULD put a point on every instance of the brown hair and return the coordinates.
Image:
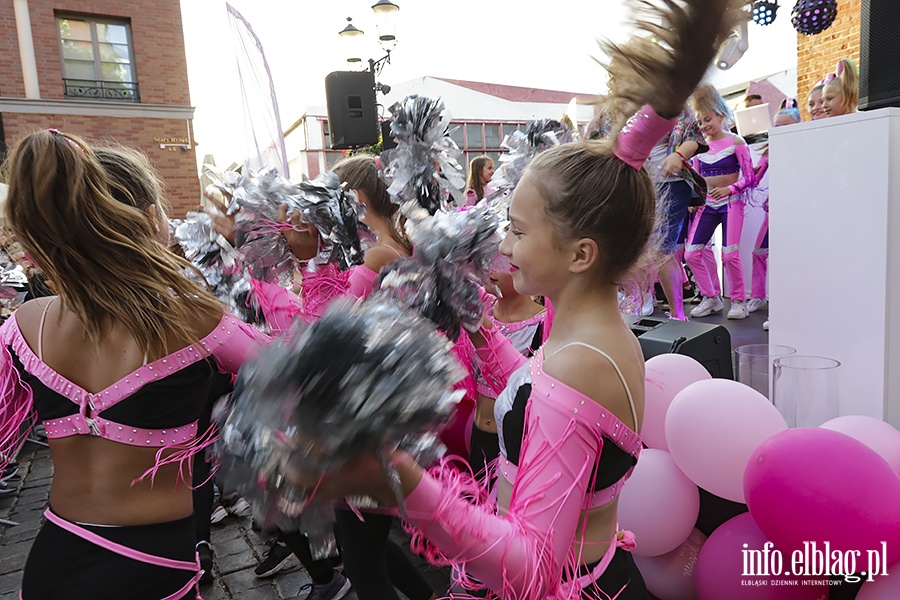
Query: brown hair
(474, 181)
(132, 179)
(101, 254)
(848, 81)
(360, 172)
(590, 193)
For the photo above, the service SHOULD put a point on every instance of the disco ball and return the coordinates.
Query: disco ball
(764, 12)
(811, 17)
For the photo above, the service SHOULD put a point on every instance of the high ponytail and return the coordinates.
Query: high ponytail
(846, 79)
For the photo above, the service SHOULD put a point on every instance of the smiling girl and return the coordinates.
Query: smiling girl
(728, 170)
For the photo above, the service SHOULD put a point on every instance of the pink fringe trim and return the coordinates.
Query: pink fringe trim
(184, 454)
(320, 287)
(16, 409)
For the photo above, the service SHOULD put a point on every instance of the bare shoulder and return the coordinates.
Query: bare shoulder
(586, 370)
(203, 323)
(739, 141)
(28, 316)
(378, 257)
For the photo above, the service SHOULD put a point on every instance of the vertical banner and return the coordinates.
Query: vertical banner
(263, 133)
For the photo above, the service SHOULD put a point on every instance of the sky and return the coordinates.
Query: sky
(513, 42)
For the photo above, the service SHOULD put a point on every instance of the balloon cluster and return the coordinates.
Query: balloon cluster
(798, 490)
(812, 17)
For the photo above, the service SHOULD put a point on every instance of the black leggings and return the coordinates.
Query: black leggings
(320, 571)
(621, 572)
(374, 563)
(63, 566)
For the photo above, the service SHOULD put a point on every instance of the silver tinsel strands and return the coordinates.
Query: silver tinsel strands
(454, 252)
(423, 171)
(217, 262)
(365, 379)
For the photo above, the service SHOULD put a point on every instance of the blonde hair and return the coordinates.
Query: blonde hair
(706, 100)
(848, 83)
(101, 254)
(589, 192)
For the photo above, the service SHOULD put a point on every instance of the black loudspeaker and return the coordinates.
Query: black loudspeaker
(352, 115)
(710, 345)
(879, 54)
(387, 140)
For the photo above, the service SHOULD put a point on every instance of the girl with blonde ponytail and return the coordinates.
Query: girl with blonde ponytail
(840, 95)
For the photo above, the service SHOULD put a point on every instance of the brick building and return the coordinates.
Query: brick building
(817, 55)
(106, 70)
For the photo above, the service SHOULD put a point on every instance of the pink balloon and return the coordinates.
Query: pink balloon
(721, 567)
(658, 503)
(882, 587)
(713, 426)
(671, 575)
(815, 485)
(874, 433)
(666, 375)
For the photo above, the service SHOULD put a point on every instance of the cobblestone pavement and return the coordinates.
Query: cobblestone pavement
(237, 547)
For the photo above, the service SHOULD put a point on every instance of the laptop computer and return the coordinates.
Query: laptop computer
(755, 119)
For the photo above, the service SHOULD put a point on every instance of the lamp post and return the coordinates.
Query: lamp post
(385, 14)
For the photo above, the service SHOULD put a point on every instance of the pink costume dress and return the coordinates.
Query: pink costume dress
(724, 157)
(573, 455)
(155, 406)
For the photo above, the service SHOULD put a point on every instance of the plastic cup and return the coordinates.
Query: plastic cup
(806, 389)
(753, 365)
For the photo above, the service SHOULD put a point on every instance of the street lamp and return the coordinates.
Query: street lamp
(385, 14)
(353, 45)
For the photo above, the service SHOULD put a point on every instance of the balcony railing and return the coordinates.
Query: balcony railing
(117, 91)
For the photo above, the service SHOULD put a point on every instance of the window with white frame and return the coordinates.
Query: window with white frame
(97, 58)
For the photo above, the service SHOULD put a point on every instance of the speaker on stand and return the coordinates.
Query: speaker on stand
(352, 112)
(879, 54)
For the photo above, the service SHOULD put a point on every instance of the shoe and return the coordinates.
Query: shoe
(275, 558)
(6, 489)
(236, 506)
(336, 589)
(218, 513)
(738, 310)
(707, 306)
(10, 472)
(755, 304)
(766, 325)
(205, 554)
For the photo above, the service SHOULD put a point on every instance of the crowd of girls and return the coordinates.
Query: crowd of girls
(726, 165)
(120, 365)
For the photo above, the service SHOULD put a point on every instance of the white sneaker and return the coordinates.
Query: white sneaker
(738, 310)
(708, 305)
(755, 304)
(766, 325)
